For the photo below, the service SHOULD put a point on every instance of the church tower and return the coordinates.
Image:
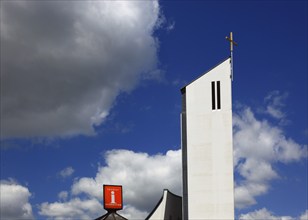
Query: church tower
(207, 152)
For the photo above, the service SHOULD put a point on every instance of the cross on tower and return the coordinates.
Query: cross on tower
(231, 41)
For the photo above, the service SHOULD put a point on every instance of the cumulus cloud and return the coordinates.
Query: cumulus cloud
(268, 215)
(275, 101)
(257, 146)
(63, 63)
(66, 172)
(263, 214)
(131, 212)
(304, 216)
(14, 201)
(63, 195)
(143, 178)
(73, 209)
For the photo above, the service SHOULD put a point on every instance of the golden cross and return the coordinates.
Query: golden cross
(231, 41)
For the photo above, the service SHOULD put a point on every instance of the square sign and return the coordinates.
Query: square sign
(113, 197)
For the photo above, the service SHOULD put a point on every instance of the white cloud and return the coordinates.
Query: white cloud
(257, 146)
(263, 214)
(63, 195)
(143, 178)
(171, 26)
(66, 172)
(261, 140)
(304, 216)
(14, 201)
(71, 210)
(65, 62)
(131, 212)
(275, 101)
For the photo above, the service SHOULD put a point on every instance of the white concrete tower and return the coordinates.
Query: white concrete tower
(207, 146)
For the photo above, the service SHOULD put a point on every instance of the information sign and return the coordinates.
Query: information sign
(113, 197)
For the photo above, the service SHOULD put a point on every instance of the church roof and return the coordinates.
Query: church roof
(111, 216)
(168, 207)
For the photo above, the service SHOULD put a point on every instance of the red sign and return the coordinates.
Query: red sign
(113, 197)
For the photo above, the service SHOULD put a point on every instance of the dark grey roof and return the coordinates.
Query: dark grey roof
(111, 216)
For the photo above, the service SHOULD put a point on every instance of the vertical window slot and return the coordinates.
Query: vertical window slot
(213, 96)
(218, 94)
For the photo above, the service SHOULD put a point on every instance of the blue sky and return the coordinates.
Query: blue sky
(90, 95)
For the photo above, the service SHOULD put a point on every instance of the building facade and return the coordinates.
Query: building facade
(207, 152)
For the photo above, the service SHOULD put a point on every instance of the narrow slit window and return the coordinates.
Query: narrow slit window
(218, 94)
(213, 96)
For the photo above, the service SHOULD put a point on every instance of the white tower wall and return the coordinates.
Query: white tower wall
(208, 191)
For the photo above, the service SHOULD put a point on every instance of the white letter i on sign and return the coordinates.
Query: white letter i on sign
(112, 197)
